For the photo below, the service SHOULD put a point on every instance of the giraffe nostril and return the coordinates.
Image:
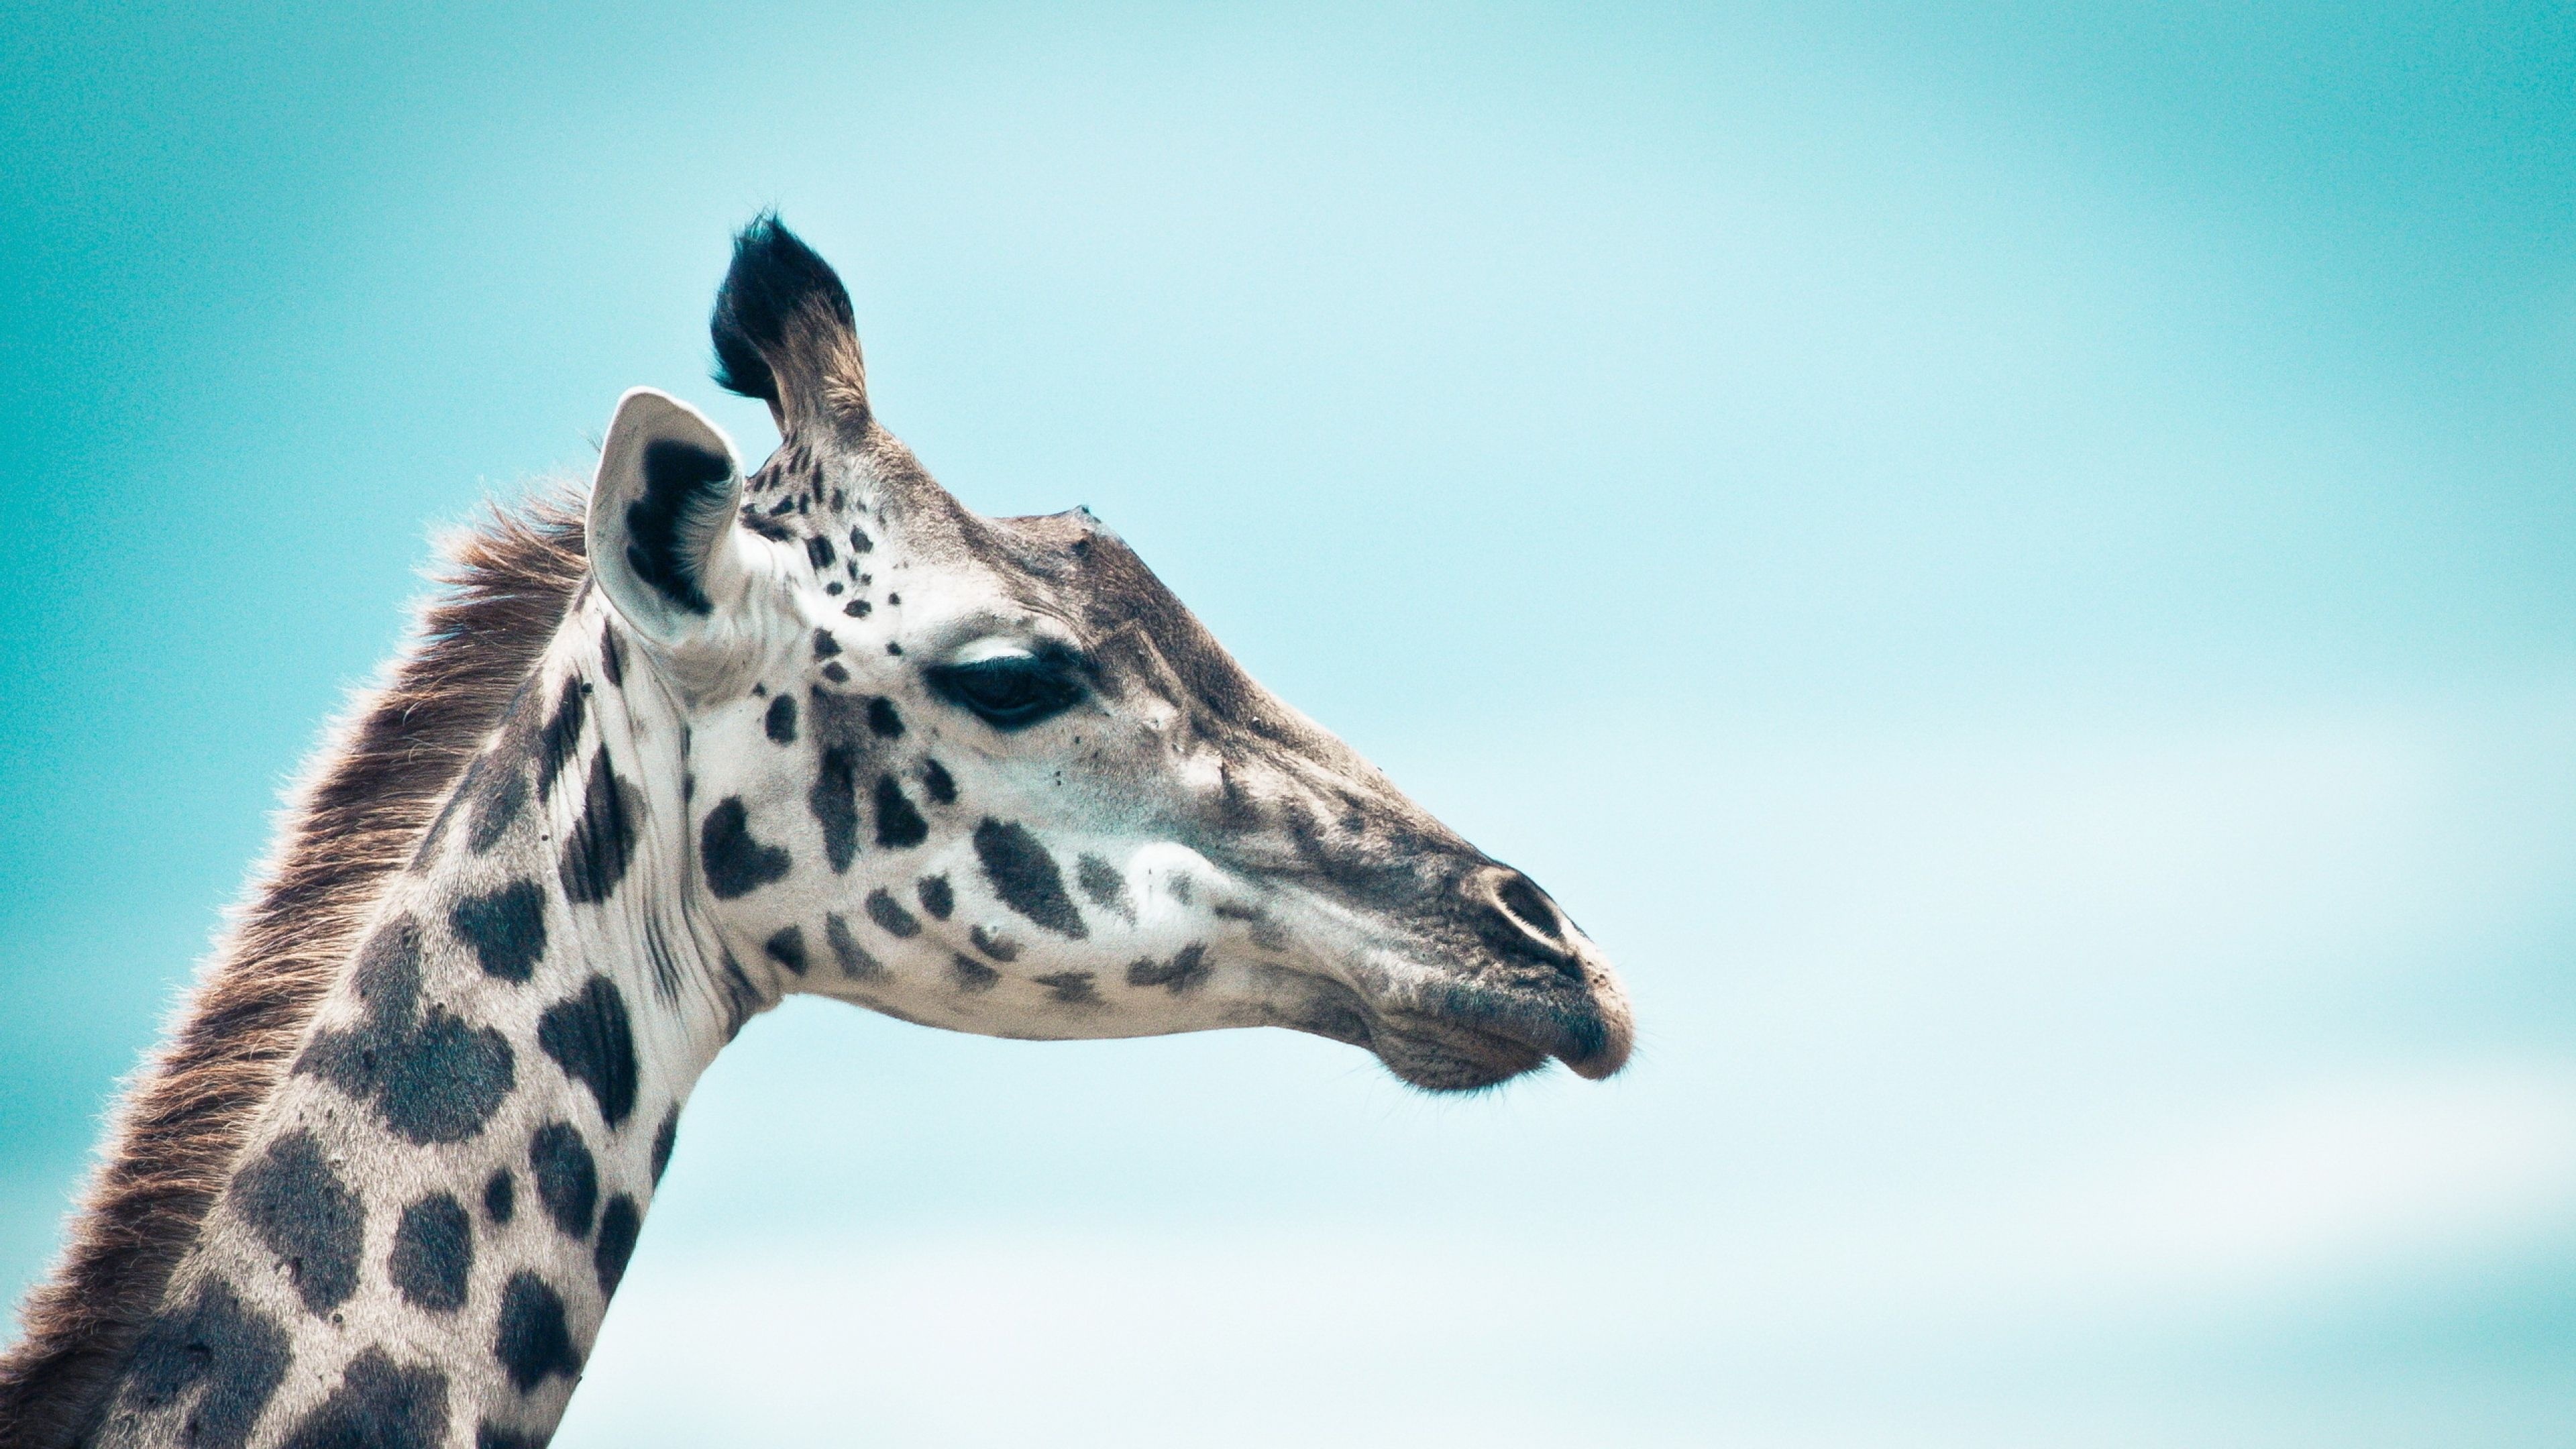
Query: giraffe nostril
(1528, 907)
(1519, 920)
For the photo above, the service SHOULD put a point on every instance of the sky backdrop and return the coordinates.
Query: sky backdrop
(2014, 564)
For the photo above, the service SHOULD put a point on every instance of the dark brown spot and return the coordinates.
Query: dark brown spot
(1025, 877)
(1070, 988)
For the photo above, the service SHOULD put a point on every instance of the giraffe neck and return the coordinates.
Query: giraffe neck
(427, 1220)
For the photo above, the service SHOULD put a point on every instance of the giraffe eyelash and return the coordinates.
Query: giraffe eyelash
(1012, 691)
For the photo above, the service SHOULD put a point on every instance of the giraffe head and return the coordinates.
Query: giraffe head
(989, 774)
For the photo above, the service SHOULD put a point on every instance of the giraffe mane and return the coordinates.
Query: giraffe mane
(502, 585)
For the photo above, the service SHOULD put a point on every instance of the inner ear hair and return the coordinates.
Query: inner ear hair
(672, 527)
(661, 516)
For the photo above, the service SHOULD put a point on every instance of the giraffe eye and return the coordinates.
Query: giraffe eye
(1013, 691)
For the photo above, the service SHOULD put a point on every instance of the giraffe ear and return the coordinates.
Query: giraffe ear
(661, 518)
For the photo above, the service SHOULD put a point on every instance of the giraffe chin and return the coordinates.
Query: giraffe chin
(1475, 1035)
(1441, 1058)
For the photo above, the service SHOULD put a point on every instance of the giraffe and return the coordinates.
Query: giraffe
(655, 761)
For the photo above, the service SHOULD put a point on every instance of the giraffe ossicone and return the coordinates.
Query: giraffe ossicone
(819, 728)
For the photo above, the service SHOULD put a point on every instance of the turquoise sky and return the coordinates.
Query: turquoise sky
(2015, 564)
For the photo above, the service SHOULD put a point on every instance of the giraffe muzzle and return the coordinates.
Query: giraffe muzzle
(1525, 985)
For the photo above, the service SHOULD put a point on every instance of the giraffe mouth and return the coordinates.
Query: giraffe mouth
(1461, 1035)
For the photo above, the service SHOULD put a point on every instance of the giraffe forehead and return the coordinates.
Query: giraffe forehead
(943, 578)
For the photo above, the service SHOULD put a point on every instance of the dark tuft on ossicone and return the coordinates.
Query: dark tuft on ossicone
(782, 309)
